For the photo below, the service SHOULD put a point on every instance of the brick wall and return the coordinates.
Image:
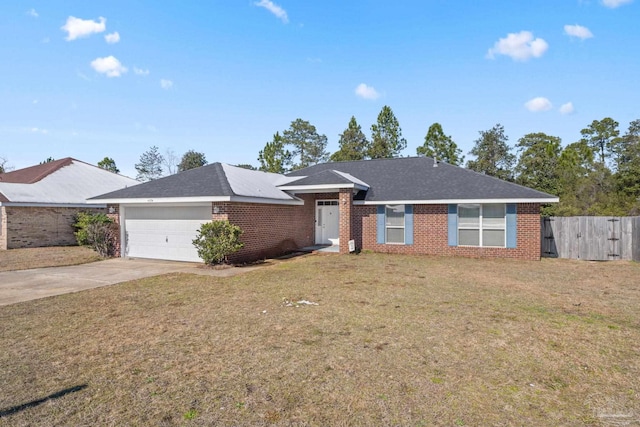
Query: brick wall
(3, 228)
(269, 230)
(431, 238)
(113, 212)
(346, 211)
(30, 227)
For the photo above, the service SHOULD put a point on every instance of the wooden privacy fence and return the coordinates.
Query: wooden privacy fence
(591, 238)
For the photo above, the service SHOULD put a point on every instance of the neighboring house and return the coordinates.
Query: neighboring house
(38, 203)
(411, 205)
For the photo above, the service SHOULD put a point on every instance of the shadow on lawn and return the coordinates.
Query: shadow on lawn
(34, 403)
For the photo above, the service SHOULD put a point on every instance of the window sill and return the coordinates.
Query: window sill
(473, 246)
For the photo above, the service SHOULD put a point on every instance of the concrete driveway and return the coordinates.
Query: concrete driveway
(25, 285)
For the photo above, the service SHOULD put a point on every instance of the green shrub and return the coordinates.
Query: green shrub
(97, 231)
(217, 240)
(82, 221)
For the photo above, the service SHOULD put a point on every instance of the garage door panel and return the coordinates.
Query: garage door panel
(164, 232)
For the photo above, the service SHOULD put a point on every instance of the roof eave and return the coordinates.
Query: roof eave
(321, 188)
(457, 201)
(54, 205)
(203, 199)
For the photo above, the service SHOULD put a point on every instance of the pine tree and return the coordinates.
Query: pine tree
(353, 143)
(492, 154)
(440, 146)
(150, 165)
(273, 157)
(386, 136)
(308, 147)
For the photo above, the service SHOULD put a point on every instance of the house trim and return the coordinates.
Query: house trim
(204, 199)
(53, 205)
(328, 188)
(454, 201)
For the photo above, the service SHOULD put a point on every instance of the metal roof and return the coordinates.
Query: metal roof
(68, 184)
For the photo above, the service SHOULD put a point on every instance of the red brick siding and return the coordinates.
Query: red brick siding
(113, 212)
(431, 238)
(271, 230)
(268, 230)
(3, 228)
(346, 209)
(31, 227)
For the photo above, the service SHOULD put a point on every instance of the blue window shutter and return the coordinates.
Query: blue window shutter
(512, 225)
(452, 225)
(381, 221)
(408, 224)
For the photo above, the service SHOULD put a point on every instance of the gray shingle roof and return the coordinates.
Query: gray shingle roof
(214, 180)
(205, 181)
(416, 178)
(400, 179)
(325, 177)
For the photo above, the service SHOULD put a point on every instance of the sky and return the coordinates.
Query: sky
(95, 79)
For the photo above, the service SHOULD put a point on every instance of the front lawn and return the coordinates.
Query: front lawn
(394, 340)
(23, 259)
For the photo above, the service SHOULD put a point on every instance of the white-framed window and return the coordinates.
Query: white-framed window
(482, 225)
(394, 224)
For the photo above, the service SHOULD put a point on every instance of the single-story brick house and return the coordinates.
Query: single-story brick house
(411, 205)
(38, 203)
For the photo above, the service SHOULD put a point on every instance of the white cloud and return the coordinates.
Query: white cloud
(578, 31)
(615, 3)
(112, 38)
(83, 76)
(38, 130)
(567, 108)
(32, 12)
(78, 28)
(278, 11)
(519, 46)
(166, 84)
(366, 92)
(108, 65)
(538, 104)
(140, 71)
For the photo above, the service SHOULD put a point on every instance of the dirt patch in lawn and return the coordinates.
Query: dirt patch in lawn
(393, 340)
(24, 259)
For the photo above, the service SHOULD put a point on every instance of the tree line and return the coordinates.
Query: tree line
(599, 174)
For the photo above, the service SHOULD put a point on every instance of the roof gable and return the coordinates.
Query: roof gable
(324, 177)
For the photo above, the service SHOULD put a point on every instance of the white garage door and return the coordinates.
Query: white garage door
(164, 232)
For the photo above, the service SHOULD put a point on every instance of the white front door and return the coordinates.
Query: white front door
(327, 222)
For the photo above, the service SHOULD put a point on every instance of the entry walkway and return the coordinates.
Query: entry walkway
(322, 248)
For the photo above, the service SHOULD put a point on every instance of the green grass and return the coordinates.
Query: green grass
(395, 340)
